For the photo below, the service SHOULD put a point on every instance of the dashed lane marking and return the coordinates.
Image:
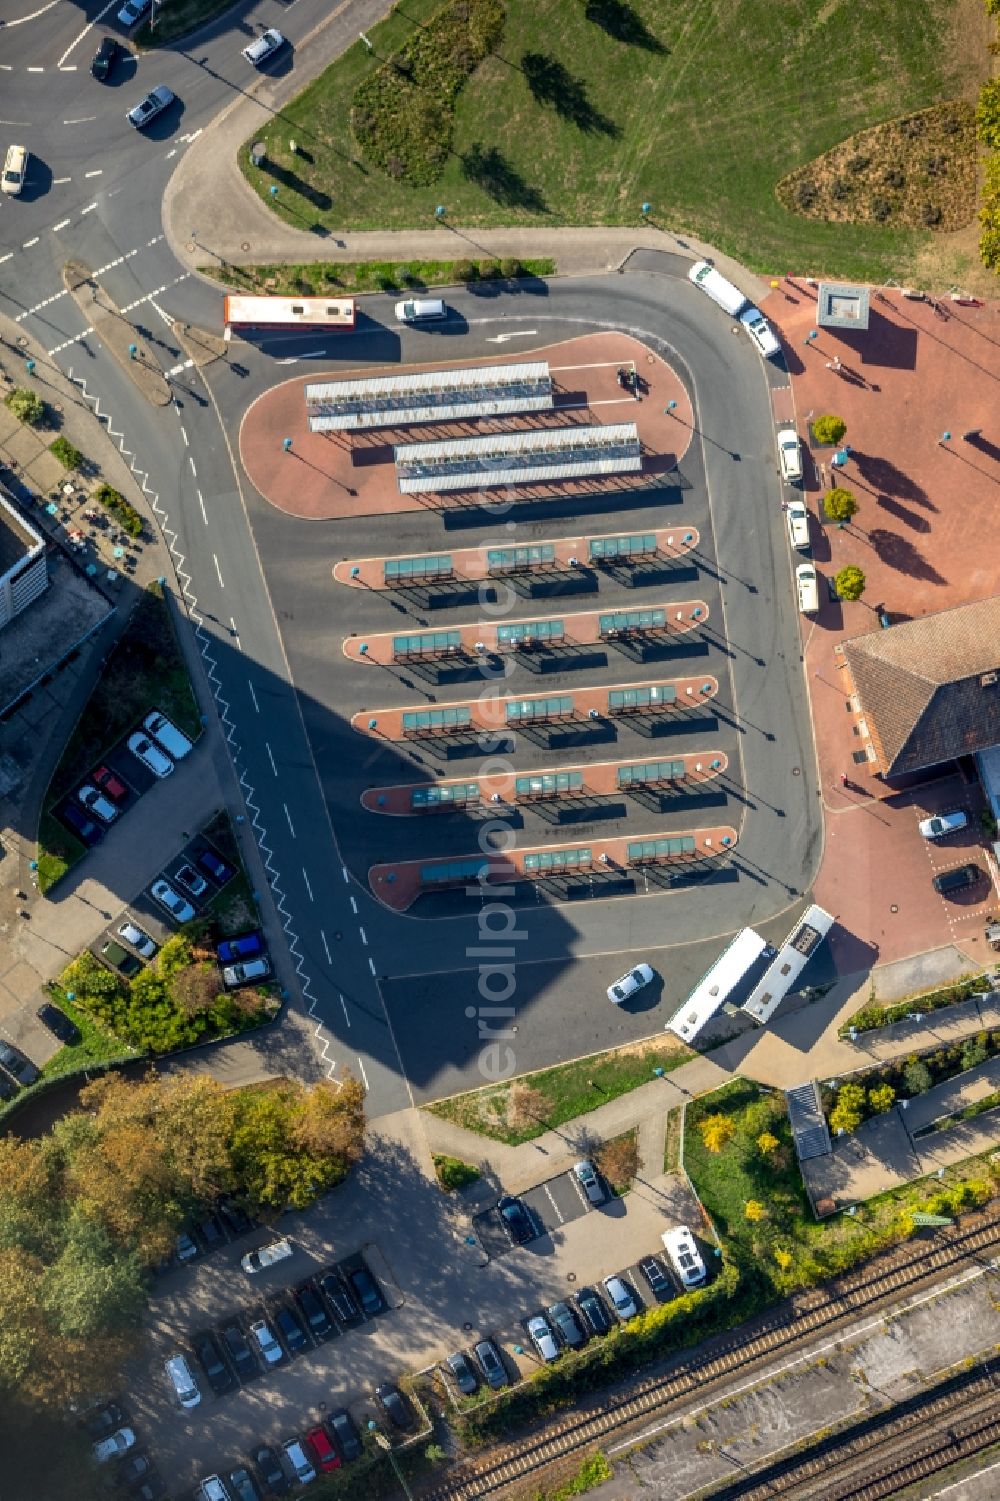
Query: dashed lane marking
(218, 571)
(88, 210)
(68, 342)
(347, 1015)
(97, 172)
(364, 936)
(363, 1074)
(291, 826)
(57, 182)
(187, 440)
(371, 965)
(28, 243)
(326, 948)
(253, 696)
(232, 622)
(194, 472)
(270, 757)
(61, 225)
(201, 502)
(354, 906)
(179, 369)
(305, 877)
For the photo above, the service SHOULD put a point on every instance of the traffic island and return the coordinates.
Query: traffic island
(116, 333)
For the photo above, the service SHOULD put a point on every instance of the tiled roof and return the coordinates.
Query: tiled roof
(930, 688)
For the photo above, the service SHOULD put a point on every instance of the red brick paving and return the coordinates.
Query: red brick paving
(924, 540)
(324, 477)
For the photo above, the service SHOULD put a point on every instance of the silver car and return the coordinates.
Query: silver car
(627, 986)
(943, 823)
(179, 909)
(138, 939)
(266, 1342)
(95, 802)
(155, 102)
(542, 1338)
(622, 1298)
(586, 1176)
(167, 736)
(266, 45)
(150, 755)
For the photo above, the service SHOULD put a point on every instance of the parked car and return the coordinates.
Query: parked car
(313, 1310)
(516, 1220)
(622, 1298)
(219, 870)
(797, 517)
(367, 1291)
(395, 1406)
(17, 1065)
(243, 947)
(957, 879)
(133, 1468)
(586, 1175)
(181, 1378)
(138, 938)
(235, 1344)
(250, 972)
(340, 1299)
(266, 1342)
(541, 1337)
(186, 1248)
(327, 1458)
(8, 1089)
(685, 1258)
(760, 331)
(807, 588)
(167, 736)
(346, 1434)
(301, 1466)
(110, 783)
(85, 829)
(155, 102)
(459, 1368)
(211, 1233)
(212, 1489)
(567, 1325)
(95, 802)
(267, 1256)
(15, 170)
(120, 959)
(594, 1312)
(152, 1488)
(102, 63)
(943, 823)
(421, 310)
(491, 1365)
(132, 12)
(185, 875)
(150, 755)
(235, 1217)
(243, 1485)
(263, 47)
(270, 1471)
(789, 454)
(220, 1378)
(628, 985)
(290, 1329)
(103, 1420)
(656, 1277)
(115, 1444)
(179, 908)
(59, 1024)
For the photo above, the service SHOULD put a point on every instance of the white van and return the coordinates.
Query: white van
(685, 1258)
(421, 310)
(265, 1256)
(808, 588)
(720, 290)
(183, 1382)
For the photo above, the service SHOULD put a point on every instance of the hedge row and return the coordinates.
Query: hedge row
(127, 515)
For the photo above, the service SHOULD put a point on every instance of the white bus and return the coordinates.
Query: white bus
(717, 986)
(287, 314)
(791, 959)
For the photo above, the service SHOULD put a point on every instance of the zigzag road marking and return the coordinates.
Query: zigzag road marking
(215, 682)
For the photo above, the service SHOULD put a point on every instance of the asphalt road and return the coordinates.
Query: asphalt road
(252, 580)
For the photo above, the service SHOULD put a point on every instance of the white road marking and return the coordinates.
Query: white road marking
(371, 965)
(201, 502)
(149, 296)
(177, 369)
(79, 38)
(61, 225)
(236, 634)
(193, 469)
(77, 338)
(28, 243)
(364, 937)
(270, 757)
(36, 70)
(363, 1074)
(314, 354)
(58, 182)
(305, 877)
(345, 874)
(39, 305)
(218, 571)
(69, 68)
(253, 696)
(354, 906)
(6, 257)
(326, 947)
(289, 817)
(97, 172)
(524, 333)
(187, 440)
(555, 1206)
(88, 210)
(83, 120)
(170, 154)
(7, 67)
(347, 1017)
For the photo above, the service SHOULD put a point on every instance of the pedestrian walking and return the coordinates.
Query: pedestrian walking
(843, 779)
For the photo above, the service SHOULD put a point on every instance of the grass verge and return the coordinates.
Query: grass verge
(587, 111)
(175, 18)
(97, 1044)
(519, 1110)
(873, 1014)
(317, 277)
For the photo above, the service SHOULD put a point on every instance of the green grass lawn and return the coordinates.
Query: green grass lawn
(569, 1090)
(175, 18)
(98, 1045)
(699, 110)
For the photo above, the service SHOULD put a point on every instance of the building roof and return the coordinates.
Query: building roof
(18, 540)
(841, 306)
(930, 688)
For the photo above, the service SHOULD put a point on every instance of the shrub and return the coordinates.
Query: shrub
(974, 1051)
(848, 1113)
(840, 189)
(754, 1210)
(988, 113)
(62, 449)
(882, 1098)
(767, 1143)
(858, 162)
(717, 1131)
(828, 429)
(115, 502)
(806, 193)
(618, 1161)
(930, 215)
(880, 208)
(26, 406)
(849, 582)
(510, 267)
(453, 1173)
(894, 177)
(839, 505)
(489, 270)
(917, 1077)
(465, 271)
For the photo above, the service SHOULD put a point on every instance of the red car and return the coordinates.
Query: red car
(116, 790)
(326, 1455)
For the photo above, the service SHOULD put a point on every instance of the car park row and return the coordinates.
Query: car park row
(130, 769)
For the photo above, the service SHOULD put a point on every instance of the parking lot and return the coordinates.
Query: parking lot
(551, 1205)
(150, 752)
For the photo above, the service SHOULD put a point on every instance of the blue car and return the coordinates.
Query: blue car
(244, 947)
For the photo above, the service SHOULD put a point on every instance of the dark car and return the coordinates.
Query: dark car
(211, 1233)
(119, 958)
(567, 1325)
(395, 1406)
(237, 1347)
(368, 1291)
(8, 1089)
(957, 878)
(133, 1468)
(290, 1329)
(244, 947)
(491, 1365)
(220, 1377)
(59, 1024)
(14, 1061)
(103, 1420)
(79, 824)
(515, 1219)
(594, 1312)
(339, 1299)
(659, 1282)
(214, 867)
(342, 1427)
(270, 1471)
(235, 1218)
(459, 1368)
(110, 784)
(318, 1321)
(243, 1485)
(150, 1488)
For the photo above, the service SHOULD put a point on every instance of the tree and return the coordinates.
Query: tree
(850, 582)
(26, 406)
(330, 1122)
(828, 429)
(618, 1161)
(288, 1148)
(917, 1077)
(93, 1287)
(717, 1131)
(754, 1210)
(839, 504)
(767, 1143)
(197, 987)
(848, 1113)
(974, 1051)
(526, 1106)
(882, 1098)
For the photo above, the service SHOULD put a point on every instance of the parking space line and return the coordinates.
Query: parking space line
(559, 1214)
(345, 874)
(305, 877)
(291, 826)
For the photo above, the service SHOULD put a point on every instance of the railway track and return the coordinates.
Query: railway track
(778, 1332)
